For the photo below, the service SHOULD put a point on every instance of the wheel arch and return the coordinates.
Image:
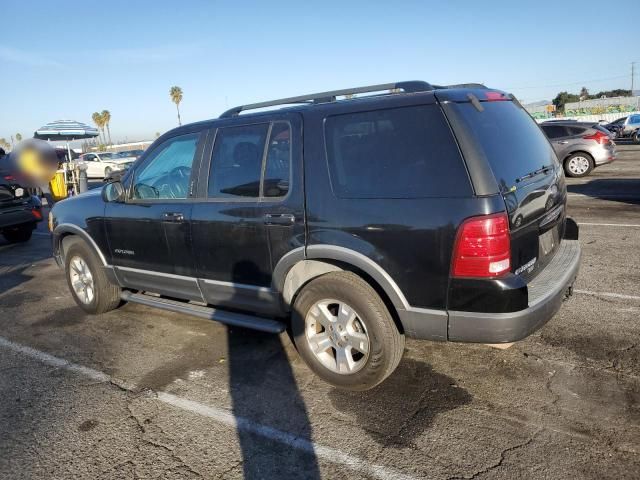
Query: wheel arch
(294, 272)
(63, 232)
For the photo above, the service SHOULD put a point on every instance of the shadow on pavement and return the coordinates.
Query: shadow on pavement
(405, 405)
(624, 190)
(15, 259)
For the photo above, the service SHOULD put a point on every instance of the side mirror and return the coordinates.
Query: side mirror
(113, 192)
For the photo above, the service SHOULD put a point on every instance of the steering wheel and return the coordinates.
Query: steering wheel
(178, 181)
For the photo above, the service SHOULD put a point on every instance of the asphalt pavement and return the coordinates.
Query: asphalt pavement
(141, 393)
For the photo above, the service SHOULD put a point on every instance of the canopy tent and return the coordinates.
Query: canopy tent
(66, 131)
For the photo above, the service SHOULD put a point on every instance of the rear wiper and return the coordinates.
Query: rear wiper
(534, 173)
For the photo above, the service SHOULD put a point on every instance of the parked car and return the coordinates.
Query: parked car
(626, 127)
(102, 164)
(132, 153)
(398, 214)
(580, 146)
(19, 211)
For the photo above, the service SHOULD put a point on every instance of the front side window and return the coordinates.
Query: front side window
(167, 173)
(404, 152)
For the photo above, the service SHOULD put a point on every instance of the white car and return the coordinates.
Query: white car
(102, 164)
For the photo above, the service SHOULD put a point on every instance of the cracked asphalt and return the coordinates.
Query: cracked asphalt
(168, 396)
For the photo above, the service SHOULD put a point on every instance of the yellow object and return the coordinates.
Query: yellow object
(58, 186)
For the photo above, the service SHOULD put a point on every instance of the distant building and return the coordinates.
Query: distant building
(122, 147)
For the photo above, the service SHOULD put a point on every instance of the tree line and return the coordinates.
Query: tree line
(563, 98)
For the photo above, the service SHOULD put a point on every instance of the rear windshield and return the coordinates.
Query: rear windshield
(511, 140)
(404, 152)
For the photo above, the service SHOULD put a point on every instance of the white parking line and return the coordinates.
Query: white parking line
(610, 224)
(604, 196)
(224, 417)
(607, 294)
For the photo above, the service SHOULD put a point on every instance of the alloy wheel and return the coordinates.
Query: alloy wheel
(81, 280)
(337, 336)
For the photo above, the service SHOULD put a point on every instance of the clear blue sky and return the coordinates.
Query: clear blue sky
(67, 59)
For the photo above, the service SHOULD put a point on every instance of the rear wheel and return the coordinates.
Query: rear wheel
(345, 333)
(19, 234)
(578, 165)
(636, 136)
(88, 283)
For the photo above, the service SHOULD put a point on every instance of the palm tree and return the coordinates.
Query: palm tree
(106, 117)
(176, 97)
(99, 121)
(95, 116)
(4, 144)
(18, 137)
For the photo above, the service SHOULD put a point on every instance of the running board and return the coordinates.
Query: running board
(222, 316)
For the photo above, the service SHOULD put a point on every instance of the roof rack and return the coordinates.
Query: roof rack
(461, 85)
(412, 86)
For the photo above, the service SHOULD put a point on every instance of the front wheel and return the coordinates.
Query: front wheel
(88, 283)
(19, 234)
(345, 333)
(636, 136)
(578, 165)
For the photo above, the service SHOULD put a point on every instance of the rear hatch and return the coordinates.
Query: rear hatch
(12, 194)
(507, 141)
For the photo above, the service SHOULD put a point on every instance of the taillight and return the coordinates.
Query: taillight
(483, 247)
(600, 137)
(36, 213)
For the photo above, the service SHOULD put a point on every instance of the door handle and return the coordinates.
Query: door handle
(279, 219)
(173, 217)
(563, 142)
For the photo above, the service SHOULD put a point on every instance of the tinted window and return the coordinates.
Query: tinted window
(278, 166)
(510, 139)
(236, 163)
(576, 130)
(396, 153)
(554, 131)
(167, 172)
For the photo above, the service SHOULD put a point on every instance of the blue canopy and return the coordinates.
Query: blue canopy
(65, 130)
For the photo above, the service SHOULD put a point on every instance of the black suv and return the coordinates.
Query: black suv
(19, 210)
(422, 211)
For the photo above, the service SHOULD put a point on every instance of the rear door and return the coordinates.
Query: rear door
(526, 170)
(558, 136)
(250, 211)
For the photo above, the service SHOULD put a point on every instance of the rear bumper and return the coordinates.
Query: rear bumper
(16, 216)
(546, 293)
(604, 155)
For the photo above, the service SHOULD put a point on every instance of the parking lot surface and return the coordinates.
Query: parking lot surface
(141, 393)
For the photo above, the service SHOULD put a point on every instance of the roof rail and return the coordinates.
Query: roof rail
(325, 97)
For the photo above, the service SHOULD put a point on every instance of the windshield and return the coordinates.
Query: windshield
(510, 139)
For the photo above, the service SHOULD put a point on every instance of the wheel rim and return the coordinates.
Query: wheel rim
(81, 280)
(578, 165)
(337, 336)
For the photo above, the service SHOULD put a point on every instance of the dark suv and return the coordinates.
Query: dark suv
(19, 210)
(424, 211)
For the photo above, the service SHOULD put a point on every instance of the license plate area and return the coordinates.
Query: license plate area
(548, 242)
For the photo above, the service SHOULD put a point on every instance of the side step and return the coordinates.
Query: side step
(222, 316)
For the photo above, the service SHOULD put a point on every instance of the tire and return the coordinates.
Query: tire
(107, 172)
(636, 136)
(19, 234)
(347, 292)
(103, 295)
(578, 165)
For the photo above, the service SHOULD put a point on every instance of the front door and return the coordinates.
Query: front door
(149, 233)
(251, 211)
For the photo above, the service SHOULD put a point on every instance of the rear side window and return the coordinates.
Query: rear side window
(576, 130)
(510, 139)
(404, 152)
(554, 131)
(278, 161)
(236, 163)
